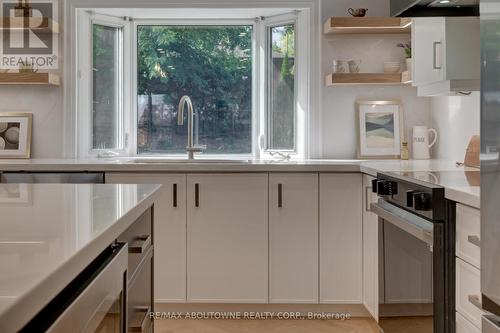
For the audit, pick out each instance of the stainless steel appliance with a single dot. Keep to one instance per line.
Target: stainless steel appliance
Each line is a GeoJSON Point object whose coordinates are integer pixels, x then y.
{"type": "Point", "coordinates": [53, 177]}
{"type": "Point", "coordinates": [415, 254]}
{"type": "Point", "coordinates": [95, 301]}
{"type": "Point", "coordinates": [414, 8]}
{"type": "Point", "coordinates": [490, 163]}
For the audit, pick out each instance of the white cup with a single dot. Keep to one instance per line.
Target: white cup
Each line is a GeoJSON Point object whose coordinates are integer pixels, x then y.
{"type": "Point", "coordinates": [354, 66]}
{"type": "Point", "coordinates": [339, 66]}
{"type": "Point", "coordinates": [421, 146]}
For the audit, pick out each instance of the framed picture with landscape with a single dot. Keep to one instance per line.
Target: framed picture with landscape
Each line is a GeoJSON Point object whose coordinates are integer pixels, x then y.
{"type": "Point", "coordinates": [380, 129]}
{"type": "Point", "coordinates": [15, 134]}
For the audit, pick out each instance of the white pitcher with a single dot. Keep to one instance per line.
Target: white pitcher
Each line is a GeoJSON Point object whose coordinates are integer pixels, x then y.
{"type": "Point", "coordinates": [421, 146]}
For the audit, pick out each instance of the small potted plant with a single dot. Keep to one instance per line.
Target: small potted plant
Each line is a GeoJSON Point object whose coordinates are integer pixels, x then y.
{"type": "Point", "coordinates": [407, 49]}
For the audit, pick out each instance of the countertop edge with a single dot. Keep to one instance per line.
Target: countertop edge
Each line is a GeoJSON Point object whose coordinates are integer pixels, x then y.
{"type": "Point", "coordinates": [28, 305]}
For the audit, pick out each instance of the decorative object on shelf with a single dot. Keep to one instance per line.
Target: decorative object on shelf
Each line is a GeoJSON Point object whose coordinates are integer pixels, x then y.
{"type": "Point", "coordinates": [421, 145]}
{"type": "Point", "coordinates": [15, 133]}
{"type": "Point", "coordinates": [380, 129]}
{"type": "Point", "coordinates": [472, 153]}
{"type": "Point", "coordinates": [405, 153]}
{"type": "Point", "coordinates": [392, 67]}
{"type": "Point", "coordinates": [339, 66]}
{"type": "Point", "coordinates": [354, 66]}
{"type": "Point", "coordinates": [357, 12]}
{"type": "Point", "coordinates": [407, 49]}
{"type": "Point", "coordinates": [27, 68]}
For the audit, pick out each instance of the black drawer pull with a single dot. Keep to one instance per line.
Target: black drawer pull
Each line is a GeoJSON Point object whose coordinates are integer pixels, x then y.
{"type": "Point", "coordinates": [197, 195]}
{"type": "Point", "coordinates": [175, 195]}
{"type": "Point", "coordinates": [280, 195]}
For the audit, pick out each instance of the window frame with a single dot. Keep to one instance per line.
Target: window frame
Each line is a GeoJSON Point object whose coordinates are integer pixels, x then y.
{"type": "Point", "coordinates": [304, 71]}
{"type": "Point", "coordinates": [194, 22]}
{"type": "Point", "coordinates": [277, 22]}
{"type": "Point", "coordinates": [84, 107]}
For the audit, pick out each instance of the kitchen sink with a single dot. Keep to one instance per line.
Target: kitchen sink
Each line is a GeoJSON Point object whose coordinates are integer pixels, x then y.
{"type": "Point", "coordinates": [186, 161]}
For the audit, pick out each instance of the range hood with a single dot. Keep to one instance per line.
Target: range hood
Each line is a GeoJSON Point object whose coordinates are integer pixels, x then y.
{"type": "Point", "coordinates": [426, 8]}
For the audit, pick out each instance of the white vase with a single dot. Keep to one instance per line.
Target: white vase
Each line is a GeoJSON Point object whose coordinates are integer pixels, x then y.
{"type": "Point", "coordinates": [408, 67]}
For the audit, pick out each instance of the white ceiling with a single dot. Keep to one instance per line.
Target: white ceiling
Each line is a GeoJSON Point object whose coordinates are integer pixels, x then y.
{"type": "Point", "coordinates": [192, 13]}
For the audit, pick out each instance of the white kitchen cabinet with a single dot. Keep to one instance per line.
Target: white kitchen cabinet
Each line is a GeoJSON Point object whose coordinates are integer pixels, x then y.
{"type": "Point", "coordinates": [169, 232]}
{"type": "Point", "coordinates": [370, 250]}
{"type": "Point", "coordinates": [227, 242]}
{"type": "Point", "coordinates": [446, 55]}
{"type": "Point", "coordinates": [293, 238]}
{"type": "Point", "coordinates": [341, 254]}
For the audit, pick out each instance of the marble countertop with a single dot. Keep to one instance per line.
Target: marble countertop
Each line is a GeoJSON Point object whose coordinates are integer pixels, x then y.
{"type": "Point", "coordinates": [457, 188]}
{"type": "Point", "coordinates": [50, 232]}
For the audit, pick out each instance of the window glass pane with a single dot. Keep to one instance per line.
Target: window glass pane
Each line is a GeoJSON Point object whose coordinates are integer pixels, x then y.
{"type": "Point", "coordinates": [105, 88]}
{"type": "Point", "coordinates": [212, 65]}
{"type": "Point", "coordinates": [281, 103]}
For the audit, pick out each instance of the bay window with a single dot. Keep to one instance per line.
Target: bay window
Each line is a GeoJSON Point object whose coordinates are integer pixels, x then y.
{"type": "Point", "coordinates": [242, 76]}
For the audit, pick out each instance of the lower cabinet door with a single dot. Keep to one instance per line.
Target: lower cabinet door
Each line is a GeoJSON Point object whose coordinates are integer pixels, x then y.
{"type": "Point", "coordinates": [340, 230]}
{"type": "Point", "coordinates": [227, 243]}
{"type": "Point", "coordinates": [169, 232]}
{"type": "Point", "coordinates": [293, 238]}
{"type": "Point", "coordinates": [371, 290]}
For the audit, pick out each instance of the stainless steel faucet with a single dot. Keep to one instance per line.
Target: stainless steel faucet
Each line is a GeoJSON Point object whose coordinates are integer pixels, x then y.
{"type": "Point", "coordinates": [191, 148]}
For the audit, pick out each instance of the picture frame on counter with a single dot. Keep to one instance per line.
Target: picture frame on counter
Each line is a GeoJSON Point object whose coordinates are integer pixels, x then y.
{"type": "Point", "coordinates": [380, 128]}
{"type": "Point", "coordinates": [15, 134]}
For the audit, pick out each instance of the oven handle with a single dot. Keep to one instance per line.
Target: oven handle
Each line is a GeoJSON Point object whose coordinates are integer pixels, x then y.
{"type": "Point", "coordinates": [424, 235]}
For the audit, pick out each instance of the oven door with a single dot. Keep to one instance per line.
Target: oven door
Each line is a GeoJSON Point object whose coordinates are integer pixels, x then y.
{"type": "Point", "coordinates": [407, 252]}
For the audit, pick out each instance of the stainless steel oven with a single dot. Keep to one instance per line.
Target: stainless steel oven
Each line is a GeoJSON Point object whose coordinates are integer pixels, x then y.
{"type": "Point", "coordinates": [412, 256]}
{"type": "Point", "coordinates": [95, 301]}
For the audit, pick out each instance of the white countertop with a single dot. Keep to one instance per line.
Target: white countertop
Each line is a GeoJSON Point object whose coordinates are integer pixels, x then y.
{"type": "Point", "coordinates": [457, 188]}
{"type": "Point", "coordinates": [462, 184]}
{"type": "Point", "coordinates": [50, 232]}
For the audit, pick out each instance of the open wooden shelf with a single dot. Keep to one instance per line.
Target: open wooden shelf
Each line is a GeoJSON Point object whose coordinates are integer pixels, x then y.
{"type": "Point", "coordinates": [30, 78]}
{"type": "Point", "coordinates": [367, 25]}
{"type": "Point", "coordinates": [48, 26]}
{"type": "Point", "coordinates": [337, 79]}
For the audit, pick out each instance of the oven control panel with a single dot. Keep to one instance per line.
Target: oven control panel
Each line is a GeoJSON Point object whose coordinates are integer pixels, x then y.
{"type": "Point", "coordinates": [421, 198]}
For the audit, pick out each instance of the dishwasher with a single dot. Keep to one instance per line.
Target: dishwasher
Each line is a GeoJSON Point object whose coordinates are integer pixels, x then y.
{"type": "Point", "coordinates": [53, 177]}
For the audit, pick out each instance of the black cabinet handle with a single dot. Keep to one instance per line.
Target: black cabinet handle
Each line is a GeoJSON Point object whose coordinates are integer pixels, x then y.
{"type": "Point", "coordinates": [197, 195]}
{"type": "Point", "coordinates": [280, 195]}
{"type": "Point", "coordinates": [175, 195]}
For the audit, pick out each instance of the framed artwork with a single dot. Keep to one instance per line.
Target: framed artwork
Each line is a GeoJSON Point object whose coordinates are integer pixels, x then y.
{"type": "Point", "coordinates": [15, 134]}
{"type": "Point", "coordinates": [380, 129]}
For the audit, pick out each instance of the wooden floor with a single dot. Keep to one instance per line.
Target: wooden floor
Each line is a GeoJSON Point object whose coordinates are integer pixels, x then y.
{"type": "Point", "coordinates": [357, 325]}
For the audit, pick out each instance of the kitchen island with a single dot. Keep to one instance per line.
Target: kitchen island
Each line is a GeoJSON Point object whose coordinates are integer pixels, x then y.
{"type": "Point", "coordinates": [50, 233]}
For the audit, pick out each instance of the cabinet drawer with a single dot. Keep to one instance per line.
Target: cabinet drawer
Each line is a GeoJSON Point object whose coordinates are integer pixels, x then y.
{"type": "Point", "coordinates": [140, 294]}
{"type": "Point", "coordinates": [468, 234]}
{"type": "Point", "coordinates": [465, 326]}
{"type": "Point", "coordinates": [468, 292]}
{"type": "Point", "coordinates": [139, 239]}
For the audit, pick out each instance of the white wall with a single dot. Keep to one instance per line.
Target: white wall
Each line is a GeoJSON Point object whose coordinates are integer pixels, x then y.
{"type": "Point", "coordinates": [456, 119]}
{"type": "Point", "coordinates": [46, 104]}
{"type": "Point", "coordinates": [334, 124]}
{"type": "Point", "coordinates": [339, 131]}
